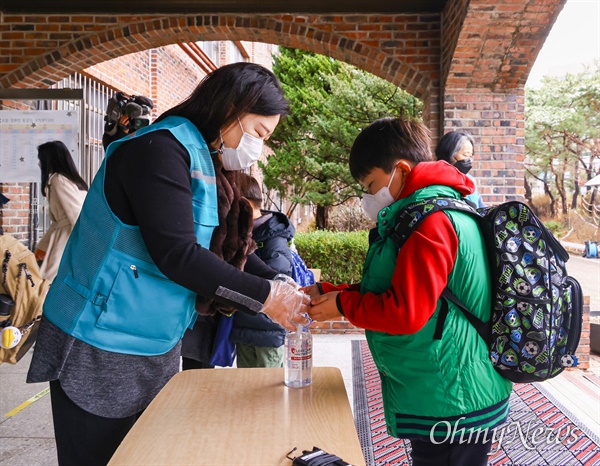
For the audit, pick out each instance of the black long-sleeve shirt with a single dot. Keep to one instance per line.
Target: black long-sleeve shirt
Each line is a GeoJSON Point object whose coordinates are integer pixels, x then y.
{"type": "Point", "coordinates": [148, 184]}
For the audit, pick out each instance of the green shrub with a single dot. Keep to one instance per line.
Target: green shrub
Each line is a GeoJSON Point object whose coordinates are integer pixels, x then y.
{"type": "Point", "coordinates": [557, 228]}
{"type": "Point", "coordinates": [340, 256]}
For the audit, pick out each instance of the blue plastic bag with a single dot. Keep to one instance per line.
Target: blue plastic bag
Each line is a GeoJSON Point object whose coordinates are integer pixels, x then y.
{"type": "Point", "coordinates": [300, 273]}
{"type": "Point", "coordinates": [223, 349]}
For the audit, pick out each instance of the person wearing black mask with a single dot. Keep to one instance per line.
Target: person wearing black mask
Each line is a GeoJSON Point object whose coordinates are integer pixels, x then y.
{"type": "Point", "coordinates": [456, 148]}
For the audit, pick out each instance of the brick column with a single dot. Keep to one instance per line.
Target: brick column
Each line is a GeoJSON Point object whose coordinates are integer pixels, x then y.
{"type": "Point", "coordinates": [496, 120]}
{"type": "Point", "coordinates": [583, 350]}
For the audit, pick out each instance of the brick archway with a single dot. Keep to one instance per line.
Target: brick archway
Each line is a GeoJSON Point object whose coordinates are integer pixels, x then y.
{"type": "Point", "coordinates": [414, 70]}
{"type": "Point", "coordinates": [468, 61]}
{"type": "Point", "coordinates": [82, 52]}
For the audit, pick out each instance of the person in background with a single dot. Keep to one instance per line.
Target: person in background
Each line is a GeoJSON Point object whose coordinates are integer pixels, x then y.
{"type": "Point", "coordinates": [457, 148]}
{"type": "Point", "coordinates": [143, 252]}
{"type": "Point", "coordinates": [65, 190]}
{"type": "Point", "coordinates": [125, 114]}
{"type": "Point", "coordinates": [258, 340]}
{"type": "Point", "coordinates": [436, 385]}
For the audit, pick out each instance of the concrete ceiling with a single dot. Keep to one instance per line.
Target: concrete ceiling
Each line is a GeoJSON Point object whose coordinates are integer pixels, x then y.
{"type": "Point", "coordinates": [220, 6]}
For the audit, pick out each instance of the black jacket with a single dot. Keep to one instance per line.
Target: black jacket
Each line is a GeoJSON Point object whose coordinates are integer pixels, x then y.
{"type": "Point", "coordinates": [272, 232]}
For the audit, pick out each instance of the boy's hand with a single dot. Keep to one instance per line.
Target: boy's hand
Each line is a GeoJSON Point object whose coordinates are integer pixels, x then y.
{"type": "Point", "coordinates": [311, 290]}
{"type": "Point", "coordinates": [324, 307]}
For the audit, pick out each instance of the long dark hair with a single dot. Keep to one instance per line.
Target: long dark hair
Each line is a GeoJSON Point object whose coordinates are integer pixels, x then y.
{"type": "Point", "coordinates": [450, 144]}
{"type": "Point", "coordinates": [54, 157]}
{"type": "Point", "coordinates": [229, 92]}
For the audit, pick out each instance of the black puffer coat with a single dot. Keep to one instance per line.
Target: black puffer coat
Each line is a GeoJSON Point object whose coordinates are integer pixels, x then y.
{"type": "Point", "coordinates": [271, 232]}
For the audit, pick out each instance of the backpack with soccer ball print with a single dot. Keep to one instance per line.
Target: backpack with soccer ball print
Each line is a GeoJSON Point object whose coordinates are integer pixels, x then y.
{"type": "Point", "coordinates": [537, 309]}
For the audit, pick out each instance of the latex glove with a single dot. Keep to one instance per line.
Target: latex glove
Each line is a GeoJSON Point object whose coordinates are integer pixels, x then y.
{"type": "Point", "coordinates": [286, 305]}
{"type": "Point", "coordinates": [286, 278]}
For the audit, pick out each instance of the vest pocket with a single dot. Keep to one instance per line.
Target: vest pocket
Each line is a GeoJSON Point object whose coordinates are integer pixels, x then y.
{"type": "Point", "coordinates": [145, 304]}
{"type": "Point", "coordinates": [206, 218]}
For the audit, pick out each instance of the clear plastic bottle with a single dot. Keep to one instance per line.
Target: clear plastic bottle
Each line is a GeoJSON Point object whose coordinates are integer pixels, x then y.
{"type": "Point", "coordinates": [298, 358]}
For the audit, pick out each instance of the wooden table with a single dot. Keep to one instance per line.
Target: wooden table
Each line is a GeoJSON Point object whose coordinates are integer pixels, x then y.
{"type": "Point", "coordinates": [242, 417]}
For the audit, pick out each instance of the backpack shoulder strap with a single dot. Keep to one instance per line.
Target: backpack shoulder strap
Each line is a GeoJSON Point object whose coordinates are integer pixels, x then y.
{"type": "Point", "coordinates": [412, 215]}
{"type": "Point", "coordinates": [407, 221]}
{"type": "Point", "coordinates": [483, 328]}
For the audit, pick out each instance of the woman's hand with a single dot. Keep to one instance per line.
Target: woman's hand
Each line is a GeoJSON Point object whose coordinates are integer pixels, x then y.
{"type": "Point", "coordinates": [287, 305]}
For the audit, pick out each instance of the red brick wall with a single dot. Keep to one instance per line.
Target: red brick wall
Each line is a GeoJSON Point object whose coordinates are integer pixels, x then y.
{"type": "Point", "coordinates": [403, 48]}
{"type": "Point", "coordinates": [335, 326]}
{"type": "Point", "coordinates": [14, 217]}
{"type": "Point", "coordinates": [177, 76]}
{"type": "Point", "coordinates": [583, 350]}
{"type": "Point", "coordinates": [488, 48]}
{"type": "Point", "coordinates": [129, 73]}
{"type": "Point", "coordinates": [496, 120]}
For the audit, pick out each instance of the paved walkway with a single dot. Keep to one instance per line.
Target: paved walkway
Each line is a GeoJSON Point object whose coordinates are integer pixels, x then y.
{"type": "Point", "coordinates": [587, 272]}
{"type": "Point", "coordinates": [27, 435]}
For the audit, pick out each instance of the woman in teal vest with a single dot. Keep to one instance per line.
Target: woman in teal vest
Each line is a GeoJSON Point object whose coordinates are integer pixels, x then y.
{"type": "Point", "coordinates": [442, 393]}
{"type": "Point", "coordinates": [147, 250]}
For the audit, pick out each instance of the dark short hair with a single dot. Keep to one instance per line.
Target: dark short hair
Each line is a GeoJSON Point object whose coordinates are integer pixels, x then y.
{"type": "Point", "coordinates": [250, 189]}
{"type": "Point", "coordinates": [450, 144]}
{"type": "Point", "coordinates": [387, 140]}
{"type": "Point", "coordinates": [229, 92]}
{"type": "Point", "coordinates": [54, 157]}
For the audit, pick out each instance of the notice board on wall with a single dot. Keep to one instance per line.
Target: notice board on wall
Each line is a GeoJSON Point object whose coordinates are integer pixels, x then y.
{"type": "Point", "coordinates": [21, 132]}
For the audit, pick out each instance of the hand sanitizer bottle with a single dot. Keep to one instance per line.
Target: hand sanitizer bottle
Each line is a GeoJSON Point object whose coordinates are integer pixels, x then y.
{"type": "Point", "coordinates": [298, 358]}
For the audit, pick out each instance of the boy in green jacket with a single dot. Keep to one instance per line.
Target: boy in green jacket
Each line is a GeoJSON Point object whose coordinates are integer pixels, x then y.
{"type": "Point", "coordinates": [442, 394]}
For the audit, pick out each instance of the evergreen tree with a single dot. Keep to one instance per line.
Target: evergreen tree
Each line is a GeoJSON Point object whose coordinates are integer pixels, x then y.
{"type": "Point", "coordinates": [562, 134]}
{"type": "Point", "coordinates": [330, 102]}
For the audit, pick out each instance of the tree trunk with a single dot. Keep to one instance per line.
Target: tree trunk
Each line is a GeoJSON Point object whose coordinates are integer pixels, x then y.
{"type": "Point", "coordinates": [552, 201]}
{"type": "Point", "coordinates": [529, 197]}
{"type": "Point", "coordinates": [576, 179]}
{"type": "Point", "coordinates": [291, 209]}
{"type": "Point", "coordinates": [559, 182]}
{"type": "Point", "coordinates": [322, 217]}
{"type": "Point", "coordinates": [562, 190]}
{"type": "Point", "coordinates": [576, 191]}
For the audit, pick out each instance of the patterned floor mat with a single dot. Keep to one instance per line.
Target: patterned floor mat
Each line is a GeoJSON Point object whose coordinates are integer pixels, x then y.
{"type": "Point", "coordinates": [539, 431]}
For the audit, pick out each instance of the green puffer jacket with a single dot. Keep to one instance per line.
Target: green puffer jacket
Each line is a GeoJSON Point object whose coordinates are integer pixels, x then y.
{"type": "Point", "coordinates": [425, 381]}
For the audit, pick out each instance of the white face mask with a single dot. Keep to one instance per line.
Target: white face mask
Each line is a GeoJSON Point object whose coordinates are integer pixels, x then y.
{"type": "Point", "coordinates": [244, 155]}
{"type": "Point", "coordinates": [373, 203]}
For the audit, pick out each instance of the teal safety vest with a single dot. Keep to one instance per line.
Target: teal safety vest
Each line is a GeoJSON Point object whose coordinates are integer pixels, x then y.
{"type": "Point", "coordinates": [108, 292]}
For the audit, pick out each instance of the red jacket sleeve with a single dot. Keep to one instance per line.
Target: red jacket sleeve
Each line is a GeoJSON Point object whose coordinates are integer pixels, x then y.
{"type": "Point", "coordinates": [327, 287]}
{"type": "Point", "coordinates": [421, 274]}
